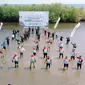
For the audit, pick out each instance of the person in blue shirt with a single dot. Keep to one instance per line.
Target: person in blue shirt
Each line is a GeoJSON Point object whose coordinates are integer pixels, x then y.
{"type": "Point", "coordinates": [4, 45]}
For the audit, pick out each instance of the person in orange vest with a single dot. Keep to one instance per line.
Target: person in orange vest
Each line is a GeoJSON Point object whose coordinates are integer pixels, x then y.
{"type": "Point", "coordinates": [66, 63]}
{"type": "Point", "coordinates": [32, 61]}
{"type": "Point", "coordinates": [79, 62]}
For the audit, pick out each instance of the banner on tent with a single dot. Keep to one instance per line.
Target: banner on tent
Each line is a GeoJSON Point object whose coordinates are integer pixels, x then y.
{"type": "Point", "coordinates": [34, 18]}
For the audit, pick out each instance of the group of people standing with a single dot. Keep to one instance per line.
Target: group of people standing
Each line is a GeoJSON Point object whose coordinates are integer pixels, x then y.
{"type": "Point", "coordinates": [51, 36]}
{"type": "Point", "coordinates": [49, 39]}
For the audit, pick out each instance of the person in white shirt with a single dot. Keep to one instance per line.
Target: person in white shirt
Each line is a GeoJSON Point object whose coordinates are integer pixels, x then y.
{"type": "Point", "coordinates": [32, 61]}
{"type": "Point", "coordinates": [61, 51]}
{"type": "Point", "coordinates": [48, 46]}
{"type": "Point", "coordinates": [48, 62]}
{"type": "Point", "coordinates": [34, 51]}
{"type": "Point", "coordinates": [45, 51]}
{"type": "Point", "coordinates": [13, 36]}
{"type": "Point", "coordinates": [66, 62]}
{"type": "Point", "coordinates": [60, 45]}
{"type": "Point", "coordinates": [73, 55]}
{"type": "Point", "coordinates": [22, 49]}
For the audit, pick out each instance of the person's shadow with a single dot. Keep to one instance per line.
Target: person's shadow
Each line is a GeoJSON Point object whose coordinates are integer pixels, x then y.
{"type": "Point", "coordinates": [10, 68]}
{"type": "Point", "coordinates": [46, 70]}
{"type": "Point", "coordinates": [27, 68]}
{"type": "Point", "coordinates": [61, 69]}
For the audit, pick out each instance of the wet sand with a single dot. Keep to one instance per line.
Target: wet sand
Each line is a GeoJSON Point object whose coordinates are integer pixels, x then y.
{"type": "Point", "coordinates": [39, 75]}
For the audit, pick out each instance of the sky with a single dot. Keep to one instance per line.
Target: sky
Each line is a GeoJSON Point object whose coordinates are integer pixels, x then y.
{"type": "Point", "coordinates": [42, 1]}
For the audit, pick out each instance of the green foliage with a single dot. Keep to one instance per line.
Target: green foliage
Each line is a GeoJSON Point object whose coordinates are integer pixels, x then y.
{"type": "Point", "coordinates": [67, 14]}
{"type": "Point", "coordinates": [82, 14]}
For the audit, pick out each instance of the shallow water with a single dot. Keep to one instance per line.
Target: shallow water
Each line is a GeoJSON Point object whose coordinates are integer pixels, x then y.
{"type": "Point", "coordinates": [39, 76]}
